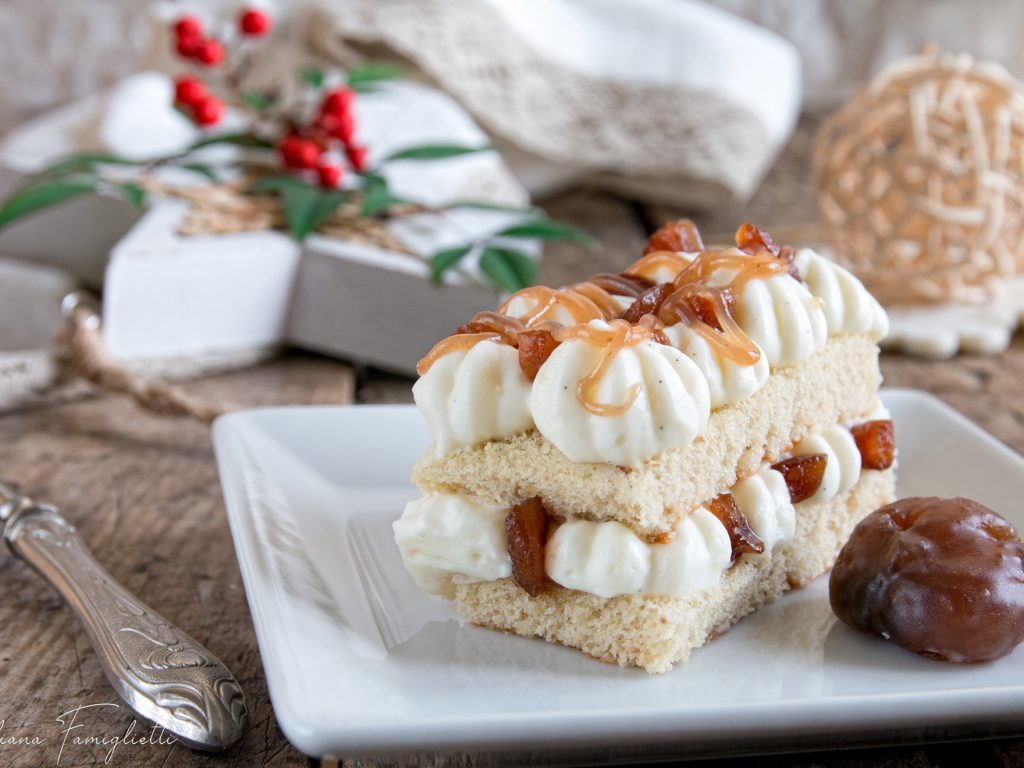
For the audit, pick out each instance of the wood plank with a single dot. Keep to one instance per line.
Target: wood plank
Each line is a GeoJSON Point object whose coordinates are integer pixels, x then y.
{"type": "Point", "coordinates": [144, 494]}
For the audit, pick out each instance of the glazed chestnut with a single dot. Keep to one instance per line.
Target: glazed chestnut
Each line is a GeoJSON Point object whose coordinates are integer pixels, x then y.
{"type": "Point", "coordinates": [940, 577]}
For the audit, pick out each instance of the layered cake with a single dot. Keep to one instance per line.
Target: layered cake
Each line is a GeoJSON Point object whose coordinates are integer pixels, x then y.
{"type": "Point", "coordinates": [631, 464]}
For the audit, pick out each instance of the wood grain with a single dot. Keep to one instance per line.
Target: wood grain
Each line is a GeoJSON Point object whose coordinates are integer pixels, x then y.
{"type": "Point", "coordinates": [144, 494]}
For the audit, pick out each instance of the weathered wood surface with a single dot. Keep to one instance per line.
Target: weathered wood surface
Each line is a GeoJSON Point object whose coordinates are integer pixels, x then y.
{"type": "Point", "coordinates": [144, 494]}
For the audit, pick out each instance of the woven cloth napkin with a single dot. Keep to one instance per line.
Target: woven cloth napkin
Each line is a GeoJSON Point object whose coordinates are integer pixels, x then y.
{"type": "Point", "coordinates": [669, 101]}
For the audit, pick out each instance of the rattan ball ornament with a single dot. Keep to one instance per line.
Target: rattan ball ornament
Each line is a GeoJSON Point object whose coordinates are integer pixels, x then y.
{"type": "Point", "coordinates": [921, 180]}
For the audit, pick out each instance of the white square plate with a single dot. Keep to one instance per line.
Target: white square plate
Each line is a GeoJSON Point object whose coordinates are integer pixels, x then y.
{"type": "Point", "coordinates": [360, 662]}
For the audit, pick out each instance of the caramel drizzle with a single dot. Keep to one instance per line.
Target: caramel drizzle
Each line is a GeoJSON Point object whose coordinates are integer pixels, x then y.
{"type": "Point", "coordinates": [652, 262]}
{"type": "Point", "coordinates": [594, 300]}
{"type": "Point", "coordinates": [731, 340]}
{"type": "Point", "coordinates": [612, 340]}
{"type": "Point", "coordinates": [584, 302]}
{"type": "Point", "coordinates": [455, 343]}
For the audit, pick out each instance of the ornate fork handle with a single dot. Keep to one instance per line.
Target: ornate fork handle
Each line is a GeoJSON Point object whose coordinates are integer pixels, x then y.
{"type": "Point", "coordinates": [160, 672]}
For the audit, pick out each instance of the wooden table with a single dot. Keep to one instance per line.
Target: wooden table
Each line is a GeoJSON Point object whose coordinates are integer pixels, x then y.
{"type": "Point", "coordinates": [144, 494]}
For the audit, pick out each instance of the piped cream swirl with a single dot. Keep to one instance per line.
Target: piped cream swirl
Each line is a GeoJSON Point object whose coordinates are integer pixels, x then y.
{"type": "Point", "coordinates": [848, 306]}
{"type": "Point", "coordinates": [473, 395]}
{"type": "Point", "coordinates": [783, 318]}
{"type": "Point", "coordinates": [842, 470]}
{"type": "Point", "coordinates": [669, 403]}
{"type": "Point", "coordinates": [728, 381]}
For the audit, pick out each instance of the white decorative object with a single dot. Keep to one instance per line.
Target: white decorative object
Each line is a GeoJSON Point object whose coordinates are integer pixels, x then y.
{"type": "Point", "coordinates": [942, 330]}
{"type": "Point", "coordinates": [665, 100]}
{"type": "Point", "coordinates": [233, 296]}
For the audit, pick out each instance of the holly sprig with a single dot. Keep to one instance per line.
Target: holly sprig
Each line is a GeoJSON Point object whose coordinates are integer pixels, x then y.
{"type": "Point", "coordinates": [508, 267]}
{"type": "Point", "coordinates": [306, 154]}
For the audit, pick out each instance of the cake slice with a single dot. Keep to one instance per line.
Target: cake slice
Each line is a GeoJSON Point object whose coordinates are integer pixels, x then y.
{"type": "Point", "coordinates": [631, 464]}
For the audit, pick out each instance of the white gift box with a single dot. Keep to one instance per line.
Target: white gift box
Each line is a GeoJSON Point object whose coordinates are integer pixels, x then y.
{"type": "Point", "coordinates": [167, 295]}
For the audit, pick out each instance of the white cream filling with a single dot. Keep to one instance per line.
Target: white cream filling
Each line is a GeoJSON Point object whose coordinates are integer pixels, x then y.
{"type": "Point", "coordinates": [608, 559]}
{"type": "Point", "coordinates": [783, 318]}
{"type": "Point", "coordinates": [847, 304]}
{"type": "Point", "coordinates": [468, 398]}
{"type": "Point", "coordinates": [457, 536]}
{"type": "Point", "coordinates": [473, 395]}
{"type": "Point", "coordinates": [842, 470]}
{"type": "Point", "coordinates": [447, 534]}
{"type": "Point", "coordinates": [728, 382]}
{"type": "Point", "coordinates": [671, 408]}
{"type": "Point", "coordinates": [763, 498]}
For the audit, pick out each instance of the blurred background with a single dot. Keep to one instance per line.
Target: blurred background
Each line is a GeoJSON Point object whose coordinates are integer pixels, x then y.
{"type": "Point", "coordinates": [611, 119]}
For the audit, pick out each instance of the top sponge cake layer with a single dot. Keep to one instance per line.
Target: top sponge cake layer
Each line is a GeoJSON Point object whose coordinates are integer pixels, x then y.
{"type": "Point", "coordinates": [836, 385]}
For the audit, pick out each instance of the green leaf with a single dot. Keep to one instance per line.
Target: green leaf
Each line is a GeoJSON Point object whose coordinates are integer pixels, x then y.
{"type": "Point", "coordinates": [202, 169]}
{"type": "Point", "coordinates": [510, 269]}
{"type": "Point", "coordinates": [43, 194]}
{"type": "Point", "coordinates": [238, 139]}
{"type": "Point", "coordinates": [255, 100]}
{"type": "Point", "coordinates": [306, 208]}
{"type": "Point", "coordinates": [313, 76]}
{"type": "Point", "coordinates": [84, 162]}
{"type": "Point", "coordinates": [435, 152]}
{"type": "Point", "coordinates": [278, 183]}
{"type": "Point", "coordinates": [444, 260]}
{"type": "Point", "coordinates": [102, 157]}
{"type": "Point", "coordinates": [133, 194]}
{"type": "Point", "coordinates": [364, 77]}
{"type": "Point", "coordinates": [377, 198]}
{"type": "Point", "coordinates": [546, 229]}
{"type": "Point", "coordinates": [485, 206]}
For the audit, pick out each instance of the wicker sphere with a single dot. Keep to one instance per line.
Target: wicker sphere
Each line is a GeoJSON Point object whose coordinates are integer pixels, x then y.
{"type": "Point", "coordinates": [921, 180]}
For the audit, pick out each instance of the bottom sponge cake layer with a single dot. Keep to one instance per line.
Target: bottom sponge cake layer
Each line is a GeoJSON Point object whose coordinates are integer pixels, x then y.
{"type": "Point", "coordinates": [656, 632]}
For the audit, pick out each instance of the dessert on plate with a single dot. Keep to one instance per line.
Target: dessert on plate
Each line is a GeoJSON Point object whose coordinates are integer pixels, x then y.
{"type": "Point", "coordinates": [631, 464]}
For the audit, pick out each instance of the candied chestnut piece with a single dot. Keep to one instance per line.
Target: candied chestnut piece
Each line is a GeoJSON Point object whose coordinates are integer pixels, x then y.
{"type": "Point", "coordinates": [752, 239]}
{"type": "Point", "coordinates": [647, 303]}
{"type": "Point", "coordinates": [803, 474]}
{"type": "Point", "coordinates": [704, 307]}
{"type": "Point", "coordinates": [940, 577]}
{"type": "Point", "coordinates": [681, 235]}
{"type": "Point", "coordinates": [876, 442]}
{"type": "Point", "coordinates": [526, 528]}
{"type": "Point", "coordinates": [535, 347]}
{"type": "Point", "coordinates": [741, 535]}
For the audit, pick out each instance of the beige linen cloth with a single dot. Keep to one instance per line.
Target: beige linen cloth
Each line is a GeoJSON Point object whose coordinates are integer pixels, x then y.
{"type": "Point", "coordinates": [671, 101]}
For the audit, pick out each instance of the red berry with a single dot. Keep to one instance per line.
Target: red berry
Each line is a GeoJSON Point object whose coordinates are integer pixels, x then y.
{"type": "Point", "coordinates": [297, 152]}
{"type": "Point", "coordinates": [189, 91]}
{"type": "Point", "coordinates": [338, 126]}
{"type": "Point", "coordinates": [330, 174]}
{"type": "Point", "coordinates": [188, 26]}
{"type": "Point", "coordinates": [209, 53]}
{"type": "Point", "coordinates": [254, 22]}
{"type": "Point", "coordinates": [187, 46]}
{"type": "Point", "coordinates": [208, 111]}
{"type": "Point", "coordinates": [357, 156]}
{"type": "Point", "coordinates": [337, 102]}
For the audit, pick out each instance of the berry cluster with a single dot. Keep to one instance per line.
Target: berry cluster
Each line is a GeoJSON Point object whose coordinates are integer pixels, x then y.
{"type": "Point", "coordinates": [193, 44]}
{"type": "Point", "coordinates": [191, 95]}
{"type": "Point", "coordinates": [306, 144]}
{"type": "Point", "coordinates": [310, 146]}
